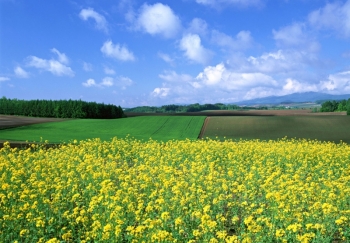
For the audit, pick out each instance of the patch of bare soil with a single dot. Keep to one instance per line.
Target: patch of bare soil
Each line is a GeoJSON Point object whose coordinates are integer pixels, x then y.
{"type": "Point", "coordinates": [204, 127]}
{"type": "Point", "coordinates": [305, 112]}
{"type": "Point", "coordinates": [18, 121]}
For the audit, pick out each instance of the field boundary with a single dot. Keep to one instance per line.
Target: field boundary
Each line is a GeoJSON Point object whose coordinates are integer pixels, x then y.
{"type": "Point", "coordinates": [205, 123]}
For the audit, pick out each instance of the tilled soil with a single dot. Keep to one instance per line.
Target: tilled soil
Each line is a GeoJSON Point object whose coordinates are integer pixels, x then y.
{"type": "Point", "coordinates": [305, 112]}
{"type": "Point", "coordinates": [18, 121]}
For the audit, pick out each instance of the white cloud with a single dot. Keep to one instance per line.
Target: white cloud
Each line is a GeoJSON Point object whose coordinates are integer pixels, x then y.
{"type": "Point", "coordinates": [121, 81]}
{"type": "Point", "coordinates": [198, 26]}
{"type": "Point", "coordinates": [242, 40]}
{"type": "Point", "coordinates": [160, 92]}
{"type": "Point", "coordinates": [87, 67]}
{"type": "Point", "coordinates": [334, 16]}
{"type": "Point", "coordinates": [20, 72]}
{"type": "Point", "coordinates": [172, 76]}
{"type": "Point", "coordinates": [191, 45]}
{"type": "Point", "coordinates": [107, 82]}
{"type": "Point", "coordinates": [294, 86]}
{"type": "Point", "coordinates": [116, 51]}
{"type": "Point", "coordinates": [337, 83]}
{"type": "Point", "coordinates": [158, 19]}
{"type": "Point", "coordinates": [220, 77]}
{"type": "Point", "coordinates": [62, 58]}
{"type": "Point", "coordinates": [258, 92]}
{"type": "Point", "coordinates": [109, 71]}
{"type": "Point", "coordinates": [89, 83]}
{"type": "Point", "coordinates": [3, 79]}
{"type": "Point", "coordinates": [239, 3]}
{"type": "Point", "coordinates": [166, 58]}
{"type": "Point", "coordinates": [296, 35]}
{"type": "Point", "coordinates": [100, 20]}
{"type": "Point", "coordinates": [56, 67]}
{"type": "Point", "coordinates": [281, 61]}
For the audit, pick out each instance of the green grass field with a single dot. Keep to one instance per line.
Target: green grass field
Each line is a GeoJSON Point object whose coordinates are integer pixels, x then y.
{"type": "Point", "coordinates": [323, 128]}
{"type": "Point", "coordinates": [156, 127]}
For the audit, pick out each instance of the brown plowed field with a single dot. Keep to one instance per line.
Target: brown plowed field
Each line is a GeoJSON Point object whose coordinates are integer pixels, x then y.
{"type": "Point", "coordinates": [305, 112]}
{"type": "Point", "coordinates": [324, 128]}
{"type": "Point", "coordinates": [18, 121]}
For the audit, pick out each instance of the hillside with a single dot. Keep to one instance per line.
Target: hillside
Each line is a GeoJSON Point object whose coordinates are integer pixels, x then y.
{"type": "Point", "coordinates": [293, 98]}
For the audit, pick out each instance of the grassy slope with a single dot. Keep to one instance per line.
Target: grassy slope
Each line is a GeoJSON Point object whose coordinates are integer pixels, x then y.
{"type": "Point", "coordinates": [324, 128]}
{"type": "Point", "coordinates": [157, 127]}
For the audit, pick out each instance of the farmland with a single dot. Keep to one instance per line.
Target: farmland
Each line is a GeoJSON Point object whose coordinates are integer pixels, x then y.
{"type": "Point", "coordinates": [126, 190]}
{"type": "Point", "coordinates": [323, 128]}
{"type": "Point", "coordinates": [158, 128]}
{"type": "Point", "coordinates": [108, 186]}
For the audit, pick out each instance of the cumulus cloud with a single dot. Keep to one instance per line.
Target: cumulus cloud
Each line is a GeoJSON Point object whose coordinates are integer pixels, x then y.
{"type": "Point", "coordinates": [20, 72]}
{"type": "Point", "coordinates": [296, 35]}
{"type": "Point", "coordinates": [239, 3]}
{"type": "Point", "coordinates": [121, 81]}
{"type": "Point", "coordinates": [56, 67]}
{"type": "Point", "coordinates": [294, 86]}
{"type": "Point", "coordinates": [160, 92]}
{"type": "Point", "coordinates": [117, 51]}
{"type": "Point", "coordinates": [280, 61]}
{"type": "Point", "coordinates": [3, 79]}
{"type": "Point", "coordinates": [220, 76]}
{"type": "Point", "coordinates": [241, 41]}
{"type": "Point", "coordinates": [107, 82]}
{"type": "Point", "coordinates": [158, 19]}
{"type": "Point", "coordinates": [100, 21]}
{"type": "Point", "coordinates": [337, 83]}
{"type": "Point", "coordinates": [333, 16]}
{"type": "Point", "coordinates": [194, 51]}
{"type": "Point", "coordinates": [89, 83]}
{"type": "Point", "coordinates": [198, 26]}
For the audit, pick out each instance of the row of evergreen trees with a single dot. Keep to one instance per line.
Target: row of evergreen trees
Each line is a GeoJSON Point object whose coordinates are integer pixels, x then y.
{"type": "Point", "coordinates": [334, 105]}
{"type": "Point", "coordinates": [59, 109]}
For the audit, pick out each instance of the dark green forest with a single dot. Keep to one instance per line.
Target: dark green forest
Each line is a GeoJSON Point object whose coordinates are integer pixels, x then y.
{"type": "Point", "coordinates": [334, 105]}
{"type": "Point", "coordinates": [59, 109]}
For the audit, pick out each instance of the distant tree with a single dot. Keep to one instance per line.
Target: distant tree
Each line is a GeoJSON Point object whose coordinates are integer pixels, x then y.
{"type": "Point", "coordinates": [329, 106]}
{"type": "Point", "coordinates": [342, 105]}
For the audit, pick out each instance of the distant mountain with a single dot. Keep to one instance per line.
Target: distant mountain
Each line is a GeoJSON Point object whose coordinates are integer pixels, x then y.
{"type": "Point", "coordinates": [293, 98]}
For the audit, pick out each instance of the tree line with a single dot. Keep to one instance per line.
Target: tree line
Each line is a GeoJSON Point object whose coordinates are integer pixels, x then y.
{"type": "Point", "coordinates": [334, 105]}
{"type": "Point", "coordinates": [59, 109]}
{"type": "Point", "coordinates": [191, 108]}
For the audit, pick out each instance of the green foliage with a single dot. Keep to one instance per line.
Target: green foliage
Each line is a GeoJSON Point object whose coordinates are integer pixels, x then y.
{"type": "Point", "coordinates": [331, 106]}
{"type": "Point", "coordinates": [191, 108]}
{"type": "Point", "coordinates": [59, 109]}
{"type": "Point", "coordinates": [144, 127]}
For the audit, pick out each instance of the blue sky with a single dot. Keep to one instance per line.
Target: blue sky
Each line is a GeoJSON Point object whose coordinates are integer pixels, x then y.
{"type": "Point", "coordinates": [133, 53]}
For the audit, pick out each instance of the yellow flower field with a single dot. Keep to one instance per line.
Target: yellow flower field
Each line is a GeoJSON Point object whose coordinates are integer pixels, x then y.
{"type": "Point", "coordinates": [128, 190]}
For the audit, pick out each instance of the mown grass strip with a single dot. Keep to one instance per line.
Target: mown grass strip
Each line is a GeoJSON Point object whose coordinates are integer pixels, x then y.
{"type": "Point", "coordinates": [156, 127]}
